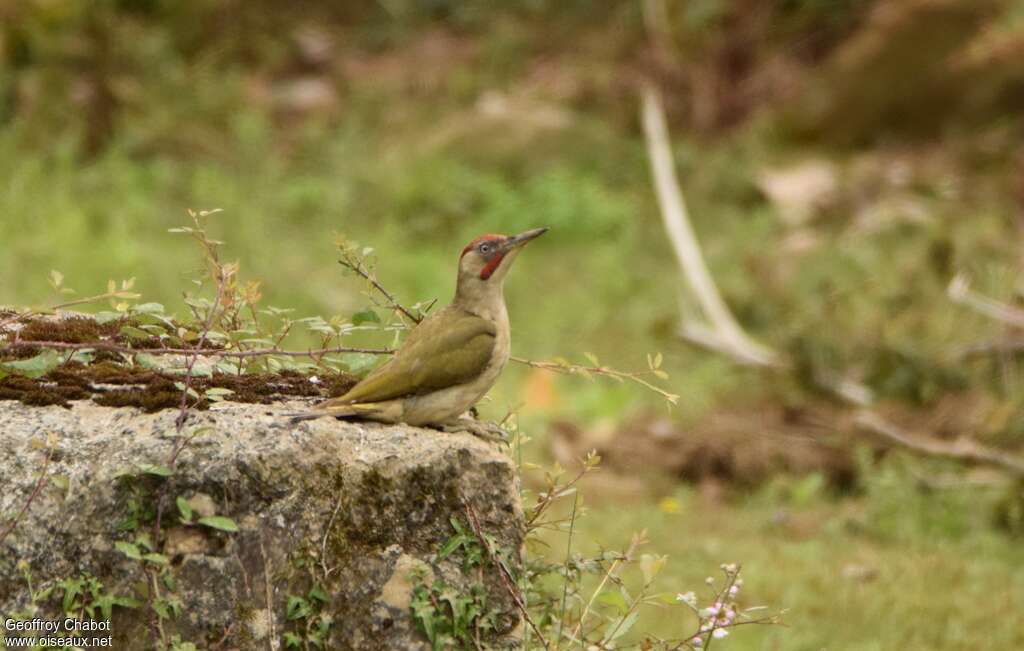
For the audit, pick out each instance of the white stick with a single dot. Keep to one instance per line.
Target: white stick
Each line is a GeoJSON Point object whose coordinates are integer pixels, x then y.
{"type": "Point", "coordinates": [724, 329]}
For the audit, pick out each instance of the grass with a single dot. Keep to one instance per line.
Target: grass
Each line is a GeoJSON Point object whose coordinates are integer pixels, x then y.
{"type": "Point", "coordinates": [851, 578]}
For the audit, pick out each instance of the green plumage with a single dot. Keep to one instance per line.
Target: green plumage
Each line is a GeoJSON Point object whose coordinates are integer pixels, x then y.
{"type": "Point", "coordinates": [448, 348]}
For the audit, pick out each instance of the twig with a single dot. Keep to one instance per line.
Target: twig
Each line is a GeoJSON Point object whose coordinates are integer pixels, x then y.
{"type": "Point", "coordinates": [392, 302]}
{"type": "Point", "coordinates": [551, 495]}
{"type": "Point", "coordinates": [610, 574]}
{"type": "Point", "coordinates": [568, 554]}
{"type": "Point", "coordinates": [218, 352]}
{"type": "Point", "coordinates": [962, 449]}
{"type": "Point", "coordinates": [857, 395]}
{"type": "Point", "coordinates": [573, 369]}
{"type": "Point", "coordinates": [960, 292]}
{"type": "Point", "coordinates": [323, 543]}
{"type": "Point", "coordinates": [59, 306]}
{"type": "Point", "coordinates": [684, 241]}
{"type": "Point", "coordinates": [506, 578]}
{"type": "Point", "coordinates": [32, 496]}
{"type": "Point", "coordinates": [997, 347]}
{"type": "Point", "coordinates": [221, 277]}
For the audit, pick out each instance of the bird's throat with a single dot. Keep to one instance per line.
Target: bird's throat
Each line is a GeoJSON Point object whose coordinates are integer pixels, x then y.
{"type": "Point", "coordinates": [491, 266]}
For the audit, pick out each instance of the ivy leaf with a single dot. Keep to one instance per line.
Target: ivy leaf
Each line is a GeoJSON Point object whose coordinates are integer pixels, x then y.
{"type": "Point", "coordinates": [297, 608]}
{"type": "Point", "coordinates": [128, 549]}
{"type": "Point", "coordinates": [184, 508]}
{"type": "Point", "coordinates": [219, 522]}
{"type": "Point", "coordinates": [317, 592]}
{"type": "Point", "coordinates": [155, 469]}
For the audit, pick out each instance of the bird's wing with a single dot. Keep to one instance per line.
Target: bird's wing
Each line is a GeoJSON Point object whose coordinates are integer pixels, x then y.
{"type": "Point", "coordinates": [446, 349]}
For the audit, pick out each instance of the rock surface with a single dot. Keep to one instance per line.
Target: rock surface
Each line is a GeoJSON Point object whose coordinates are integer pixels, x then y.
{"type": "Point", "coordinates": [359, 509]}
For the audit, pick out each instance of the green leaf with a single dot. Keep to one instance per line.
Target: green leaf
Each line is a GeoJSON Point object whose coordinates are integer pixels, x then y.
{"type": "Point", "coordinates": [134, 333]}
{"type": "Point", "coordinates": [292, 641]}
{"type": "Point", "coordinates": [359, 362]}
{"type": "Point", "coordinates": [614, 599]}
{"type": "Point", "coordinates": [155, 469]}
{"type": "Point", "coordinates": [297, 608]}
{"type": "Point", "coordinates": [107, 316]}
{"type": "Point", "coordinates": [128, 549]}
{"type": "Point", "coordinates": [148, 308]}
{"type": "Point", "coordinates": [650, 565]}
{"type": "Point", "coordinates": [317, 592]}
{"type": "Point", "coordinates": [219, 522]}
{"type": "Point", "coordinates": [156, 559]}
{"type": "Point", "coordinates": [366, 316]}
{"type": "Point", "coordinates": [61, 481]}
{"type": "Point", "coordinates": [145, 360]}
{"type": "Point", "coordinates": [33, 367]}
{"type": "Point", "coordinates": [620, 627]}
{"type": "Point", "coordinates": [184, 508]}
{"type": "Point", "coordinates": [126, 602]}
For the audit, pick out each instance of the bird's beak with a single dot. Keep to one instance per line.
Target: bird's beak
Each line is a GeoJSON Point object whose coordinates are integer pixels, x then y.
{"type": "Point", "coordinates": [517, 241]}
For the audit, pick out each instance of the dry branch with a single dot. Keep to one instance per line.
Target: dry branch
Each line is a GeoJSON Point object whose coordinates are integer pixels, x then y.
{"type": "Point", "coordinates": [962, 449]}
{"type": "Point", "coordinates": [960, 292]}
{"type": "Point", "coordinates": [724, 335]}
{"type": "Point", "coordinates": [32, 496]}
{"type": "Point", "coordinates": [723, 332]}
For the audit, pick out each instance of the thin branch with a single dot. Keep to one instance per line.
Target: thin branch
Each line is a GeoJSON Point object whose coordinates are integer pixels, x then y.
{"type": "Point", "coordinates": [32, 496]}
{"type": "Point", "coordinates": [962, 449]}
{"type": "Point", "coordinates": [675, 217]}
{"type": "Point", "coordinates": [18, 316]}
{"type": "Point", "coordinates": [636, 541]}
{"type": "Point", "coordinates": [568, 555]}
{"type": "Point", "coordinates": [575, 369]}
{"type": "Point", "coordinates": [506, 578]}
{"type": "Point", "coordinates": [218, 352]}
{"type": "Point", "coordinates": [393, 303]}
{"type": "Point", "coordinates": [960, 292]}
{"type": "Point", "coordinates": [997, 347]}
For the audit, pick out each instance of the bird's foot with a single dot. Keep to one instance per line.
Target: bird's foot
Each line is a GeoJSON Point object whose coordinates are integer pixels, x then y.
{"type": "Point", "coordinates": [481, 429]}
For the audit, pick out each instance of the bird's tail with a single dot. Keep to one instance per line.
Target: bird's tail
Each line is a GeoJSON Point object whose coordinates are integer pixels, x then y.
{"type": "Point", "coordinates": [354, 410]}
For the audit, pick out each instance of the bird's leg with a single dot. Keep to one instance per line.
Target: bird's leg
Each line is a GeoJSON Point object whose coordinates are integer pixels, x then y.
{"type": "Point", "coordinates": [482, 429]}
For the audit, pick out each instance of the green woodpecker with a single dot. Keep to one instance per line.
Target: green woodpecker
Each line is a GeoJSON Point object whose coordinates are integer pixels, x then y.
{"type": "Point", "coordinates": [452, 358]}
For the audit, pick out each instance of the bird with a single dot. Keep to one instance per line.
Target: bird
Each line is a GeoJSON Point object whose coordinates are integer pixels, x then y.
{"type": "Point", "coordinates": [451, 359]}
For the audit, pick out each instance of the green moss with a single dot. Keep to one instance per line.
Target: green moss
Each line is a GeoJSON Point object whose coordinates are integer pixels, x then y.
{"type": "Point", "coordinates": [72, 330]}
{"type": "Point", "coordinates": [152, 391]}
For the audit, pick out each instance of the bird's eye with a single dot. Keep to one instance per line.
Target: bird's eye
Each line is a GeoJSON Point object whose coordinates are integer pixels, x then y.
{"type": "Point", "coordinates": [485, 248]}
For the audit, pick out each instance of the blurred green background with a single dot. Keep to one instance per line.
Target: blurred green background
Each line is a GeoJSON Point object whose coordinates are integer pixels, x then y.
{"type": "Point", "coordinates": [842, 161]}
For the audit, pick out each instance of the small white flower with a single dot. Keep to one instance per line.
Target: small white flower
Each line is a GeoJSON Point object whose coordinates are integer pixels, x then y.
{"type": "Point", "coordinates": [697, 641]}
{"type": "Point", "coordinates": [688, 598]}
{"type": "Point", "coordinates": [314, 379]}
{"type": "Point", "coordinates": [734, 590]}
{"type": "Point", "coordinates": [719, 633]}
